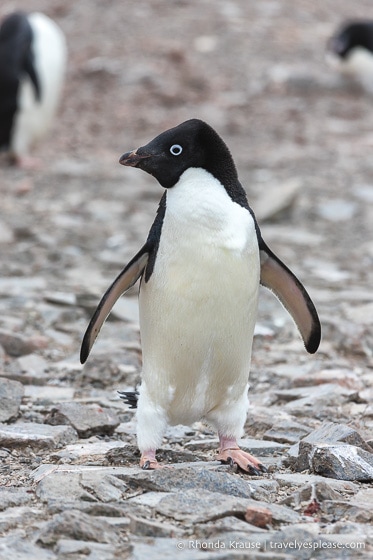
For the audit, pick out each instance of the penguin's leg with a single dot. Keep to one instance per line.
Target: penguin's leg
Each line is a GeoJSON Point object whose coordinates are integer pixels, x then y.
{"type": "Point", "coordinates": [151, 425]}
{"type": "Point", "coordinates": [229, 419]}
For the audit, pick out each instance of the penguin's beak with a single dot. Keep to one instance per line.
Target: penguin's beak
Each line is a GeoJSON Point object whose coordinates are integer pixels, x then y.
{"type": "Point", "coordinates": [132, 159]}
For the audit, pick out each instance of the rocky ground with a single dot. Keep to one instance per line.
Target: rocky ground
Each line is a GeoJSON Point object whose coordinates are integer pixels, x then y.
{"type": "Point", "coordinates": [302, 139]}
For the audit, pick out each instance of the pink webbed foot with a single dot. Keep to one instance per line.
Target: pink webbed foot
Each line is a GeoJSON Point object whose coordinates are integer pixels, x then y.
{"type": "Point", "coordinates": [149, 462]}
{"type": "Point", "coordinates": [230, 452]}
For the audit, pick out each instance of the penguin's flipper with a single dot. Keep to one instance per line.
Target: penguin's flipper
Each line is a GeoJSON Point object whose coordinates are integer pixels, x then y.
{"type": "Point", "coordinates": [29, 68]}
{"type": "Point", "coordinates": [127, 278]}
{"type": "Point", "coordinates": [285, 285]}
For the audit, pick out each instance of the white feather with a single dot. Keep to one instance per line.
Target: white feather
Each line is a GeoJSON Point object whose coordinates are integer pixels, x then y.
{"type": "Point", "coordinates": [34, 117]}
{"type": "Point", "coordinates": [198, 311]}
{"type": "Point", "coordinates": [358, 64]}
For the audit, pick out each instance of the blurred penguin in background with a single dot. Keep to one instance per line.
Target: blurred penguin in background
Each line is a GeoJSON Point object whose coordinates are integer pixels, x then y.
{"type": "Point", "coordinates": [32, 68]}
{"type": "Point", "coordinates": [350, 51]}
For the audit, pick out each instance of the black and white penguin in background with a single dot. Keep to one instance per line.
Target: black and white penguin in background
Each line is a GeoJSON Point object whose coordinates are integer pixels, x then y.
{"type": "Point", "coordinates": [200, 271]}
{"type": "Point", "coordinates": [350, 51]}
{"type": "Point", "coordinates": [32, 68]}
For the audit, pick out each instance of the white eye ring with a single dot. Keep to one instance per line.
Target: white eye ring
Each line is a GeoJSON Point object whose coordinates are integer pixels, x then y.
{"type": "Point", "coordinates": [176, 149]}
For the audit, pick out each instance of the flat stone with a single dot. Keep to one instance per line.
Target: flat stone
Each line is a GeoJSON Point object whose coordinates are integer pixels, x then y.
{"type": "Point", "coordinates": [196, 506]}
{"type": "Point", "coordinates": [275, 200]}
{"type": "Point", "coordinates": [150, 528]}
{"type": "Point", "coordinates": [342, 461]}
{"type": "Point", "coordinates": [86, 420]}
{"type": "Point", "coordinates": [19, 548]}
{"type": "Point", "coordinates": [14, 517]}
{"type": "Point", "coordinates": [256, 447]}
{"type": "Point", "coordinates": [344, 377]}
{"type": "Point", "coordinates": [174, 480]}
{"type": "Point", "coordinates": [36, 435]}
{"type": "Point", "coordinates": [11, 393]}
{"type": "Point", "coordinates": [17, 345]}
{"type": "Point", "coordinates": [331, 432]}
{"type": "Point", "coordinates": [49, 393]}
{"type": "Point", "coordinates": [88, 485]}
{"type": "Point", "coordinates": [287, 431]}
{"type": "Point", "coordinates": [343, 509]}
{"type": "Point", "coordinates": [77, 525]}
{"type": "Point", "coordinates": [223, 525]}
{"type": "Point", "coordinates": [14, 496]}
{"type": "Point", "coordinates": [88, 451]}
{"type": "Point", "coordinates": [296, 480]}
{"type": "Point", "coordinates": [71, 548]}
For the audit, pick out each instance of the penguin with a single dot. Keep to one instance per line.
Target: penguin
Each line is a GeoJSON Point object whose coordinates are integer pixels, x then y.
{"type": "Point", "coordinates": [32, 66]}
{"type": "Point", "coordinates": [350, 51]}
{"type": "Point", "coordinates": [200, 271]}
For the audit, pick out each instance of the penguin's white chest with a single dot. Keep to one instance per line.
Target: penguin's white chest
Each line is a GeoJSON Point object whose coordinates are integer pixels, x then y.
{"type": "Point", "coordinates": [198, 309]}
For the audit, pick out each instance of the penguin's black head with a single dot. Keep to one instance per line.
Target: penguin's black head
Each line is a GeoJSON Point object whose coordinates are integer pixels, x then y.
{"type": "Point", "coordinates": [191, 144]}
{"type": "Point", "coordinates": [352, 35]}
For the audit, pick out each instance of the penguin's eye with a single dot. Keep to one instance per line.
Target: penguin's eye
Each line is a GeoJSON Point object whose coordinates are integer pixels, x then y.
{"type": "Point", "coordinates": [176, 149]}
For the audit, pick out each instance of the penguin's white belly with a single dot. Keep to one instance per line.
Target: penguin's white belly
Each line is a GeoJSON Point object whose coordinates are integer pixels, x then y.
{"type": "Point", "coordinates": [198, 310]}
{"type": "Point", "coordinates": [35, 116]}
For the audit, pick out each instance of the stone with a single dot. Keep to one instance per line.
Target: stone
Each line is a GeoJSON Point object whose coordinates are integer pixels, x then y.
{"type": "Point", "coordinates": [86, 420]}
{"type": "Point", "coordinates": [297, 480]}
{"type": "Point", "coordinates": [16, 345]}
{"type": "Point", "coordinates": [11, 393]}
{"type": "Point", "coordinates": [287, 431]}
{"type": "Point", "coordinates": [331, 432]}
{"type": "Point", "coordinates": [342, 461]}
{"type": "Point", "coordinates": [17, 547]}
{"type": "Point", "coordinates": [38, 436]}
{"type": "Point", "coordinates": [70, 548]}
{"type": "Point", "coordinates": [175, 480]}
{"type": "Point", "coordinates": [87, 451]}
{"type": "Point", "coordinates": [79, 526]}
{"type": "Point", "coordinates": [258, 516]}
{"type": "Point", "coordinates": [276, 200]}
{"type": "Point", "coordinates": [196, 506]}
{"type": "Point", "coordinates": [49, 393]}
{"type": "Point", "coordinates": [82, 484]}
{"type": "Point", "coordinates": [151, 528]}
{"type": "Point", "coordinates": [257, 447]}
{"type": "Point", "coordinates": [13, 496]}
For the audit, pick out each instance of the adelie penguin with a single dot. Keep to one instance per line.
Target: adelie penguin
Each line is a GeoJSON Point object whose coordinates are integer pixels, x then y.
{"type": "Point", "coordinates": [32, 66]}
{"type": "Point", "coordinates": [350, 51]}
{"type": "Point", "coordinates": [200, 271]}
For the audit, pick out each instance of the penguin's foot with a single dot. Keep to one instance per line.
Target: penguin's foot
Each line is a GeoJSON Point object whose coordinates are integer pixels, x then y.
{"type": "Point", "coordinates": [28, 163]}
{"type": "Point", "coordinates": [230, 453]}
{"type": "Point", "coordinates": [148, 461]}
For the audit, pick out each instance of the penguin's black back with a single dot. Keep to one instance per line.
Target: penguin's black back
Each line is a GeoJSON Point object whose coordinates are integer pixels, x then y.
{"type": "Point", "coordinates": [16, 60]}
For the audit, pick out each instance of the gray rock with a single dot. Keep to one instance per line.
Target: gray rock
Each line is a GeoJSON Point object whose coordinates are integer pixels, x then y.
{"type": "Point", "coordinates": [20, 516]}
{"type": "Point", "coordinates": [196, 506]}
{"type": "Point", "coordinates": [287, 431]}
{"type": "Point", "coordinates": [174, 480]}
{"type": "Point", "coordinates": [19, 548]}
{"type": "Point", "coordinates": [11, 393]}
{"type": "Point", "coordinates": [13, 496]}
{"type": "Point", "coordinates": [342, 461]}
{"type": "Point", "coordinates": [71, 548]}
{"type": "Point", "coordinates": [91, 486]}
{"type": "Point", "coordinates": [38, 436]}
{"type": "Point", "coordinates": [330, 432]}
{"type": "Point", "coordinates": [256, 447]}
{"type": "Point", "coordinates": [79, 526]}
{"type": "Point", "coordinates": [150, 528]}
{"type": "Point", "coordinates": [86, 420]}
{"type": "Point", "coordinates": [296, 480]}
{"type": "Point", "coordinates": [18, 345]}
{"type": "Point", "coordinates": [333, 510]}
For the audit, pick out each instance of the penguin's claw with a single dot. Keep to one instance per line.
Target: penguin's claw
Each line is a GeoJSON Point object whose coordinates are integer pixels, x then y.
{"type": "Point", "coordinates": [149, 464]}
{"type": "Point", "coordinates": [244, 461]}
